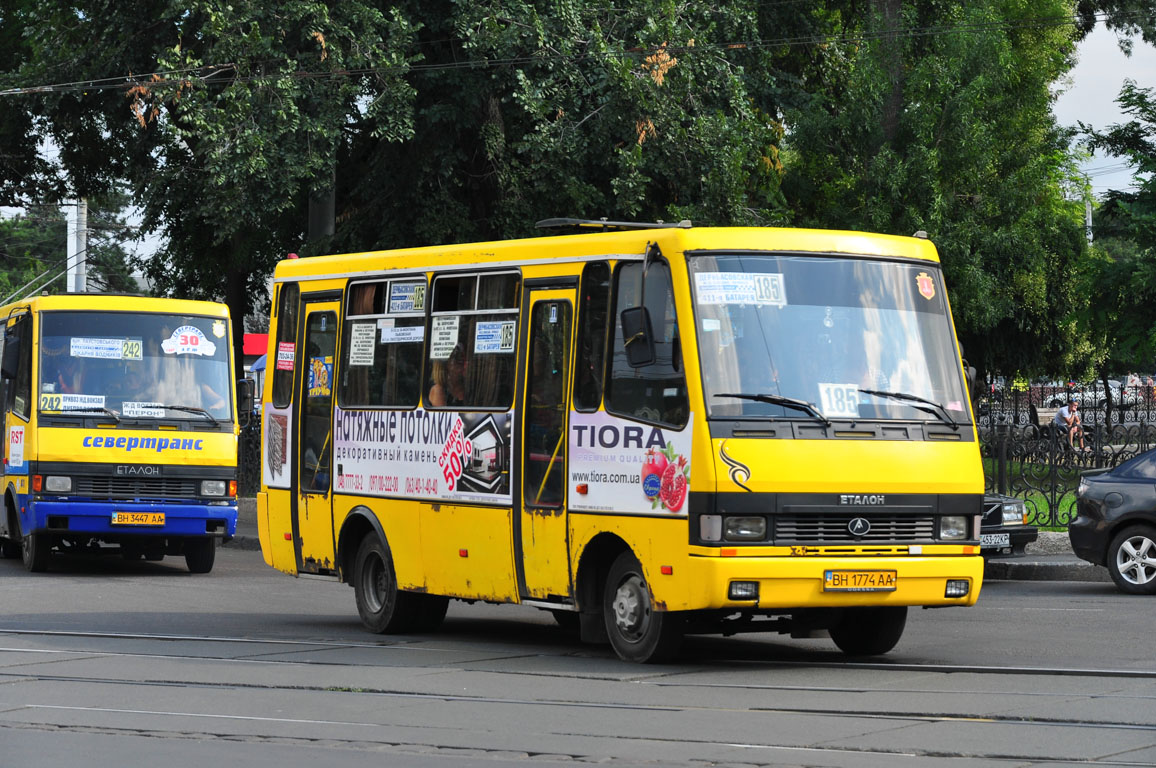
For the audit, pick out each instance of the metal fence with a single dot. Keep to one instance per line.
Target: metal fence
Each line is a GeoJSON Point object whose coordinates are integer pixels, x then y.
{"type": "Point", "coordinates": [1027, 456]}
{"type": "Point", "coordinates": [249, 459]}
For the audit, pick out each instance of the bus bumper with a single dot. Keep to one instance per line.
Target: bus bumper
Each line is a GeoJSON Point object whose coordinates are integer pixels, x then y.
{"type": "Point", "coordinates": [802, 582]}
{"type": "Point", "coordinates": [94, 518]}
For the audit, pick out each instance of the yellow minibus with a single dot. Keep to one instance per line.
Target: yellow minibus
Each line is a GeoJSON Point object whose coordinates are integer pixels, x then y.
{"type": "Point", "coordinates": [120, 428]}
{"type": "Point", "coordinates": [648, 430]}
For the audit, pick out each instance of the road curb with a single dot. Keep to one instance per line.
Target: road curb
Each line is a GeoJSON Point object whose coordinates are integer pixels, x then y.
{"type": "Point", "coordinates": [1035, 570]}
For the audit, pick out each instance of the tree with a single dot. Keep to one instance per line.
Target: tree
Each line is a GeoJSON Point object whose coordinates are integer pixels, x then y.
{"type": "Point", "coordinates": [528, 110]}
{"type": "Point", "coordinates": [33, 250]}
{"type": "Point", "coordinates": [221, 117]}
{"type": "Point", "coordinates": [951, 133]}
{"type": "Point", "coordinates": [1124, 313]}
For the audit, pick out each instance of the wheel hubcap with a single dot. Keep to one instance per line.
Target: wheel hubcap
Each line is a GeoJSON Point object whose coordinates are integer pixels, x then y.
{"type": "Point", "coordinates": [631, 607]}
{"type": "Point", "coordinates": [373, 581]}
{"type": "Point", "coordinates": [1136, 560]}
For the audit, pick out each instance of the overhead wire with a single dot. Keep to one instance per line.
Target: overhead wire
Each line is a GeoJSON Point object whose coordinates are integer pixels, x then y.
{"type": "Point", "coordinates": [179, 77]}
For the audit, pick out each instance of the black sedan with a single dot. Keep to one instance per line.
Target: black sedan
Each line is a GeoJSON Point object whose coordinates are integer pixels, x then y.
{"type": "Point", "coordinates": [1004, 529]}
{"type": "Point", "coordinates": [1115, 523]}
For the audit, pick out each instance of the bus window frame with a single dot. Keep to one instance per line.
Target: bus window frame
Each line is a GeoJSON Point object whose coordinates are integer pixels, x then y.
{"type": "Point", "coordinates": [282, 292]}
{"type": "Point", "coordinates": [427, 365]}
{"type": "Point", "coordinates": [613, 322]}
{"type": "Point", "coordinates": [581, 315]}
{"type": "Point", "coordinates": [345, 316]}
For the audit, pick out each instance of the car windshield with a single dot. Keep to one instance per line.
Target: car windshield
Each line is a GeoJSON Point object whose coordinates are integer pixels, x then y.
{"type": "Point", "coordinates": [853, 337]}
{"type": "Point", "coordinates": [135, 365]}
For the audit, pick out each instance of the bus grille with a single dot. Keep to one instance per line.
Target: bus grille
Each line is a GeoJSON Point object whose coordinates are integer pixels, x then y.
{"type": "Point", "coordinates": [134, 487]}
{"type": "Point", "coordinates": [822, 528]}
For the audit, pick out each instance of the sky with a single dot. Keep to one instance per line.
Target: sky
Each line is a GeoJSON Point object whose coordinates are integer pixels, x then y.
{"type": "Point", "coordinates": [1090, 97]}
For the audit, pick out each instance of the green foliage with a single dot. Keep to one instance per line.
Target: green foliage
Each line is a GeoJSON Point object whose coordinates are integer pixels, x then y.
{"type": "Point", "coordinates": [454, 120]}
{"type": "Point", "coordinates": [33, 250]}
{"type": "Point", "coordinates": [1124, 272]}
{"type": "Point", "coordinates": [628, 111]}
{"type": "Point", "coordinates": [221, 148]}
{"type": "Point", "coordinates": [953, 134]}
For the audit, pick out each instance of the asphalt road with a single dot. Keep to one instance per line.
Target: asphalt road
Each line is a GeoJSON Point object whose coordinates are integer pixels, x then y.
{"type": "Point", "coordinates": [105, 662]}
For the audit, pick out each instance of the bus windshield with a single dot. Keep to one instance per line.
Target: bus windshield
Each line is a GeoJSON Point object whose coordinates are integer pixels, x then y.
{"type": "Point", "coordinates": [820, 338]}
{"type": "Point", "coordinates": [138, 365]}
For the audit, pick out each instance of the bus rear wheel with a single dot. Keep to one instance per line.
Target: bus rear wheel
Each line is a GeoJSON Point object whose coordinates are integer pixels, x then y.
{"type": "Point", "coordinates": [383, 608]}
{"type": "Point", "coordinates": [637, 632]}
{"type": "Point", "coordinates": [200, 554]}
{"type": "Point", "coordinates": [869, 631]}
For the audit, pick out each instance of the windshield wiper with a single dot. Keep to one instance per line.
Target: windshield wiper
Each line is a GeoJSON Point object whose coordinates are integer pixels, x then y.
{"type": "Point", "coordinates": [192, 409]}
{"type": "Point", "coordinates": [90, 409]}
{"type": "Point", "coordinates": [928, 406]}
{"type": "Point", "coordinates": [786, 402]}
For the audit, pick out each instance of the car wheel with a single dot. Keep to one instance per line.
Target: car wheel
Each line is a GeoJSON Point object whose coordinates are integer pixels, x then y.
{"type": "Point", "coordinates": [637, 632]}
{"type": "Point", "coordinates": [1132, 560]}
{"type": "Point", "coordinates": [869, 631]}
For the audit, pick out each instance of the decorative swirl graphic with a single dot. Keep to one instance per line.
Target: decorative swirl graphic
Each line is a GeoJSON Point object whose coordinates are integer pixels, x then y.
{"type": "Point", "coordinates": [739, 472]}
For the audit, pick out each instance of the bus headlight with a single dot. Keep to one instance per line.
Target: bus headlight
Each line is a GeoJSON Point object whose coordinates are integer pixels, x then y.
{"type": "Point", "coordinates": [746, 528]}
{"type": "Point", "coordinates": [953, 527]}
{"type": "Point", "coordinates": [213, 487]}
{"type": "Point", "coordinates": [57, 484]}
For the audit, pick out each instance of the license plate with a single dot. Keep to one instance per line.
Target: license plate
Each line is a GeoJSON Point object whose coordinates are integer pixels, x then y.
{"type": "Point", "coordinates": [859, 581]}
{"type": "Point", "coordinates": [995, 540]}
{"type": "Point", "coordinates": [138, 518]}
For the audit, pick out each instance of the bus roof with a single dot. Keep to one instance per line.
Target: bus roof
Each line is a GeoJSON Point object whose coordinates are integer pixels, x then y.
{"type": "Point", "coordinates": [674, 239]}
{"type": "Point", "coordinates": [117, 302]}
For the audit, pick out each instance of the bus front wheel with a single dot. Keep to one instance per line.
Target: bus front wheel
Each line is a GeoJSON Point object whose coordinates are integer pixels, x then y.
{"type": "Point", "coordinates": [382, 606]}
{"type": "Point", "coordinates": [200, 554]}
{"type": "Point", "coordinates": [637, 632]}
{"type": "Point", "coordinates": [35, 549]}
{"type": "Point", "coordinates": [869, 631]}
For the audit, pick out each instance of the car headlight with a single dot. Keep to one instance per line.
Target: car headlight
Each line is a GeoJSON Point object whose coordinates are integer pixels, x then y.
{"type": "Point", "coordinates": [57, 484]}
{"type": "Point", "coordinates": [745, 528]}
{"type": "Point", "coordinates": [213, 487]}
{"type": "Point", "coordinates": [1082, 487]}
{"type": "Point", "coordinates": [1013, 513]}
{"type": "Point", "coordinates": [953, 527]}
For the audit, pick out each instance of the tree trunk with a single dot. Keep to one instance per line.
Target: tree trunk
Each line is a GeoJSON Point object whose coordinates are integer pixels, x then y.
{"type": "Point", "coordinates": [237, 300]}
{"type": "Point", "coordinates": [893, 104]}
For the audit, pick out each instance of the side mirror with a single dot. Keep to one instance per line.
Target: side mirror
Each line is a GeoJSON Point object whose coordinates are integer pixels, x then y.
{"type": "Point", "coordinates": [637, 337]}
{"type": "Point", "coordinates": [245, 397]}
{"type": "Point", "coordinates": [10, 363]}
{"type": "Point", "coordinates": [969, 373]}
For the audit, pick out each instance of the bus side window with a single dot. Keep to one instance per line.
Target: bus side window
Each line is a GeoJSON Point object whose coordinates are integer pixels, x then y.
{"type": "Point", "coordinates": [287, 310]}
{"type": "Point", "coordinates": [383, 342]}
{"type": "Point", "coordinates": [657, 392]}
{"type": "Point", "coordinates": [18, 393]}
{"type": "Point", "coordinates": [472, 341]}
{"type": "Point", "coordinates": [593, 314]}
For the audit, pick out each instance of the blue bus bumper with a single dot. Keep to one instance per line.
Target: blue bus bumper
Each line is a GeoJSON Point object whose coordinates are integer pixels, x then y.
{"type": "Point", "coordinates": [94, 518]}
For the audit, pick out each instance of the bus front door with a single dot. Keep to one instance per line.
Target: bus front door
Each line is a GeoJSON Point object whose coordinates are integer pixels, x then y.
{"type": "Point", "coordinates": [313, 510]}
{"type": "Point", "coordinates": [541, 538]}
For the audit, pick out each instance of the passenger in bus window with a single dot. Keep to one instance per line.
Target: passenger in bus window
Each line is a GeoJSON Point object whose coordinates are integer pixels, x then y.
{"type": "Point", "coordinates": [449, 380]}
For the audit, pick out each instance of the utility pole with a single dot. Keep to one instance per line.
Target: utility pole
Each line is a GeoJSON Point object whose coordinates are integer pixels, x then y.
{"type": "Point", "coordinates": [76, 214]}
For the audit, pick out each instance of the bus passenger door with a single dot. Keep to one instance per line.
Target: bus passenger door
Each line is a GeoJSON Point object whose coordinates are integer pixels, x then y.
{"type": "Point", "coordinates": [313, 511]}
{"type": "Point", "coordinates": [541, 539]}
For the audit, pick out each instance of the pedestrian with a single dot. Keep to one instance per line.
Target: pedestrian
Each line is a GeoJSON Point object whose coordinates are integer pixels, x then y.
{"type": "Point", "coordinates": [1068, 419]}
